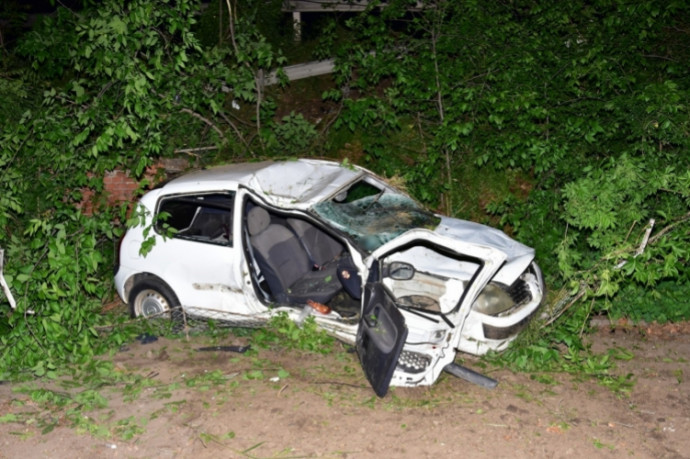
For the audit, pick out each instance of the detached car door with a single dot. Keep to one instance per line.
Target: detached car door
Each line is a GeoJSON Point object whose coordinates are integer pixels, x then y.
{"type": "Point", "coordinates": [464, 268]}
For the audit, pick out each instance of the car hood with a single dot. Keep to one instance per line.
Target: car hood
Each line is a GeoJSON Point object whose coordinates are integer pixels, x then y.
{"type": "Point", "coordinates": [518, 256]}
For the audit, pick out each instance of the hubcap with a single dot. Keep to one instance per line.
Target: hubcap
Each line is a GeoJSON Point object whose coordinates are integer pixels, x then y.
{"type": "Point", "coordinates": [150, 303]}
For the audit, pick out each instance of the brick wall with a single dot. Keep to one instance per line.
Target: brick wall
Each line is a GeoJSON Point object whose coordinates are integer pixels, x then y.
{"type": "Point", "coordinates": [119, 187]}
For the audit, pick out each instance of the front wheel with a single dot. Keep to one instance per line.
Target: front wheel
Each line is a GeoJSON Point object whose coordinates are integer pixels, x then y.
{"type": "Point", "coordinates": [151, 298]}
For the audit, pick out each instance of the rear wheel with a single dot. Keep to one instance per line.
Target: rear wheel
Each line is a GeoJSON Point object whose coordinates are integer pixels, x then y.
{"type": "Point", "coordinates": [152, 298]}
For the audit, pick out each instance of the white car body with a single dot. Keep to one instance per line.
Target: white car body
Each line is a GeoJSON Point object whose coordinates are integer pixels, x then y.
{"type": "Point", "coordinates": [424, 292]}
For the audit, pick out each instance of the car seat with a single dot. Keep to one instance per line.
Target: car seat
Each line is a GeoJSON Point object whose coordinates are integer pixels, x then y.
{"type": "Point", "coordinates": [286, 265]}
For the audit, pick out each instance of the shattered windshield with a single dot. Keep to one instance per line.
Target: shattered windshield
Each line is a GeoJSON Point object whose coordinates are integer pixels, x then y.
{"type": "Point", "coordinates": [373, 215]}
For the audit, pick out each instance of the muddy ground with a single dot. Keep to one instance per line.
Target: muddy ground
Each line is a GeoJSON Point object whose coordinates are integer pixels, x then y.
{"type": "Point", "coordinates": [273, 404]}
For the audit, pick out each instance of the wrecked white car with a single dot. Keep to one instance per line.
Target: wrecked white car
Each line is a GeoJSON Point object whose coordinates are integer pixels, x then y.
{"type": "Point", "coordinates": [407, 287]}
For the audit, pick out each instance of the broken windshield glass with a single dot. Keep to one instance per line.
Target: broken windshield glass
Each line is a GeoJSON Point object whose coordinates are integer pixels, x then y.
{"type": "Point", "coordinates": [373, 216]}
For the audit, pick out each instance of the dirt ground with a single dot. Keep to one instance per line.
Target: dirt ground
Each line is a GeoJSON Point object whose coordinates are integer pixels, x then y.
{"type": "Point", "coordinates": [271, 404]}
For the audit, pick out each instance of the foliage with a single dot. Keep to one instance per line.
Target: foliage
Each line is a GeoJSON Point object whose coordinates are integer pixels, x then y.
{"type": "Point", "coordinates": [561, 350]}
{"type": "Point", "coordinates": [291, 137]}
{"type": "Point", "coordinates": [631, 196]}
{"type": "Point", "coordinates": [13, 94]}
{"type": "Point", "coordinates": [120, 84]}
{"type": "Point", "coordinates": [667, 302]}
{"type": "Point", "coordinates": [284, 332]}
{"type": "Point", "coordinates": [55, 408]}
{"type": "Point", "coordinates": [601, 129]}
{"type": "Point", "coordinates": [58, 288]}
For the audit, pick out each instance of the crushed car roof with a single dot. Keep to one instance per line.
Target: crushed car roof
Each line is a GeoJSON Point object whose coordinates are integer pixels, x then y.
{"type": "Point", "coordinates": [299, 183]}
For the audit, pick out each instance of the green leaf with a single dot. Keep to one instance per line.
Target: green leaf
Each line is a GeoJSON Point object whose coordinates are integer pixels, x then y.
{"type": "Point", "coordinates": [118, 25]}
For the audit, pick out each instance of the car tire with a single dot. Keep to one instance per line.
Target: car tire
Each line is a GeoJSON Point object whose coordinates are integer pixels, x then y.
{"type": "Point", "coordinates": [152, 298]}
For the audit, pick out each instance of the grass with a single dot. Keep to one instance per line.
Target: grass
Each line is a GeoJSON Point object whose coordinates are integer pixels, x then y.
{"type": "Point", "coordinates": [283, 332]}
{"type": "Point", "coordinates": [598, 444]}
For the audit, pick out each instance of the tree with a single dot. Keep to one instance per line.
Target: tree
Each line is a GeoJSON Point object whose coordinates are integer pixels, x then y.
{"type": "Point", "coordinates": [598, 125]}
{"type": "Point", "coordinates": [122, 84]}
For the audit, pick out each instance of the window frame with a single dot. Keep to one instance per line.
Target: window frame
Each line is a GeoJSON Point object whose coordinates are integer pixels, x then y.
{"type": "Point", "coordinates": [226, 208]}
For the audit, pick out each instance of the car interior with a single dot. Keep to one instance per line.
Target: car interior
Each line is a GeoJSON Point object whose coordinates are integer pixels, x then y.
{"type": "Point", "coordinates": [295, 262]}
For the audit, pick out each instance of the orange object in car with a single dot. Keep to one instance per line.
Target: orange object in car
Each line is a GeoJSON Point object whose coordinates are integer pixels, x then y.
{"type": "Point", "coordinates": [322, 308]}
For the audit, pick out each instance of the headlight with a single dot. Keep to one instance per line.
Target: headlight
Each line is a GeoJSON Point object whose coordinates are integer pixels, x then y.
{"type": "Point", "coordinates": [493, 301]}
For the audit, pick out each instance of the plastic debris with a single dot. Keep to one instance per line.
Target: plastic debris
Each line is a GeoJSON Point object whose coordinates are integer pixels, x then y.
{"type": "Point", "coordinates": [146, 338]}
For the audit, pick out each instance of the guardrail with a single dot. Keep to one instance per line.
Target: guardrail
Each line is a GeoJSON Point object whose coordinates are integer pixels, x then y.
{"type": "Point", "coordinates": [300, 71]}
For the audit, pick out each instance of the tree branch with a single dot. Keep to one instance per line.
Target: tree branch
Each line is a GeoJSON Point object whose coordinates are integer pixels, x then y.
{"type": "Point", "coordinates": [665, 230]}
{"type": "Point", "coordinates": [231, 23]}
{"type": "Point", "coordinates": [192, 151]}
{"type": "Point", "coordinates": [205, 120]}
{"type": "Point", "coordinates": [237, 131]}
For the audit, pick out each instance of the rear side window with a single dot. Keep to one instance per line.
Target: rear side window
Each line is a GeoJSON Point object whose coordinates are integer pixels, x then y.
{"type": "Point", "coordinates": [199, 217]}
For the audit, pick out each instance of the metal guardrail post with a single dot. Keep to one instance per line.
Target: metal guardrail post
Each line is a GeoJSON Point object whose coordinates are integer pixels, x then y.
{"type": "Point", "coordinates": [3, 283]}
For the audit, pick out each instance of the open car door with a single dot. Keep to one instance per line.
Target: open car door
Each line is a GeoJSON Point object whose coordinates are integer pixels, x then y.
{"type": "Point", "coordinates": [380, 338]}
{"type": "Point", "coordinates": [433, 261]}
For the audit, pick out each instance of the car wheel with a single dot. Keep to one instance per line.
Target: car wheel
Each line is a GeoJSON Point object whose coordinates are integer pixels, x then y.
{"type": "Point", "coordinates": [151, 298]}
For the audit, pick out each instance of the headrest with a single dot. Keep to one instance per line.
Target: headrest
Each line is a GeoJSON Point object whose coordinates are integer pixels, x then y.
{"type": "Point", "coordinates": [257, 220]}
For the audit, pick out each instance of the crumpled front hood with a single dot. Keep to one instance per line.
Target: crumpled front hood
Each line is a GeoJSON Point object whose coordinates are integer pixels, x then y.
{"type": "Point", "coordinates": [518, 255]}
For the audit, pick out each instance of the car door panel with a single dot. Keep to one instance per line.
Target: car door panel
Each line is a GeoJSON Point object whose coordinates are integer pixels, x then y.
{"type": "Point", "coordinates": [380, 337]}
{"type": "Point", "coordinates": [197, 260]}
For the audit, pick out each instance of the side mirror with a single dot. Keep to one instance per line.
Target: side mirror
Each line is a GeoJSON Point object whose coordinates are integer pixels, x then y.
{"type": "Point", "coordinates": [399, 270]}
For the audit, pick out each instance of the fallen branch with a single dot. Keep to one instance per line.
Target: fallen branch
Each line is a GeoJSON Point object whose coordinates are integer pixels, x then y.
{"type": "Point", "coordinates": [560, 312]}
{"type": "Point", "coordinates": [643, 243]}
{"type": "Point", "coordinates": [646, 241]}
